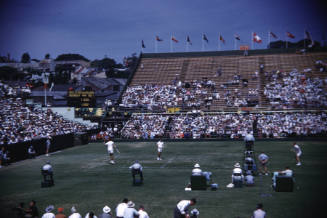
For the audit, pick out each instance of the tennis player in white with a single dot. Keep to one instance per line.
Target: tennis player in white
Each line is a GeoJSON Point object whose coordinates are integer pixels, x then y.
{"type": "Point", "coordinates": [160, 146]}
{"type": "Point", "coordinates": [110, 147]}
{"type": "Point", "coordinates": [298, 152]}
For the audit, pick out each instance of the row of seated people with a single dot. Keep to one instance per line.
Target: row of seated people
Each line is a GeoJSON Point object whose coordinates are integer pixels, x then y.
{"type": "Point", "coordinates": [295, 89]}
{"type": "Point", "coordinates": [189, 95]}
{"type": "Point", "coordinates": [231, 125]}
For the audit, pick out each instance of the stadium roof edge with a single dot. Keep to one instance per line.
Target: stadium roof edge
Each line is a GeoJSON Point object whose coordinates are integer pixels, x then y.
{"type": "Point", "coordinates": [224, 53]}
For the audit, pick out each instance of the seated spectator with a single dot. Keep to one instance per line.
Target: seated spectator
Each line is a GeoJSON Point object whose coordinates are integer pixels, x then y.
{"type": "Point", "coordinates": [31, 152]}
{"type": "Point", "coordinates": [130, 211]}
{"type": "Point", "coordinates": [237, 176]}
{"type": "Point", "coordinates": [48, 212]}
{"type": "Point", "coordinates": [19, 210]}
{"type": "Point", "coordinates": [75, 214]}
{"type": "Point", "coordinates": [106, 212]}
{"type": "Point", "coordinates": [60, 213]}
{"type": "Point", "coordinates": [90, 215]}
{"type": "Point", "coordinates": [121, 208]}
{"type": "Point", "coordinates": [259, 212]}
{"type": "Point", "coordinates": [249, 179]}
{"type": "Point", "coordinates": [197, 171]}
{"type": "Point", "coordinates": [32, 211]}
{"type": "Point", "coordinates": [286, 172]}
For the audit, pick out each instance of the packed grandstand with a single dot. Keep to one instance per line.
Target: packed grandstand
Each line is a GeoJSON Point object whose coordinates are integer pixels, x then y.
{"type": "Point", "coordinates": [273, 94]}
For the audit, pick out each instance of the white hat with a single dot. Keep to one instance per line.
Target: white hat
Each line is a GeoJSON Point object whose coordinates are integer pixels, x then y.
{"type": "Point", "coordinates": [230, 185]}
{"type": "Point", "coordinates": [237, 165]}
{"type": "Point", "coordinates": [197, 165]}
{"type": "Point", "coordinates": [130, 204]}
{"type": "Point", "coordinates": [73, 210]}
{"type": "Point", "coordinates": [106, 209]}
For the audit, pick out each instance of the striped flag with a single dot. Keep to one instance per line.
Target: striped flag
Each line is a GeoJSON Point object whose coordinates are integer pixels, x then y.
{"type": "Point", "coordinates": [273, 35]}
{"type": "Point", "coordinates": [158, 39]}
{"type": "Point", "coordinates": [290, 35]}
{"type": "Point", "coordinates": [143, 45]}
{"type": "Point", "coordinates": [221, 39]}
{"type": "Point", "coordinates": [174, 39]}
{"type": "Point", "coordinates": [308, 36]}
{"type": "Point", "coordinates": [256, 38]}
{"type": "Point", "coordinates": [205, 38]}
{"type": "Point", "coordinates": [237, 36]}
{"type": "Point", "coordinates": [188, 40]}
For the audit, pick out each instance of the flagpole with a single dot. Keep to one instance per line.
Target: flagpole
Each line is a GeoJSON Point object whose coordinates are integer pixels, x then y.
{"type": "Point", "coordinates": [234, 43]}
{"type": "Point", "coordinates": [252, 41]}
{"type": "Point", "coordinates": [171, 43]}
{"type": "Point", "coordinates": [186, 47]}
{"type": "Point", "coordinates": [304, 39]}
{"type": "Point", "coordinates": [269, 38]}
{"type": "Point", "coordinates": [155, 46]}
{"type": "Point", "coordinates": [286, 40]}
{"type": "Point", "coordinates": [219, 43]}
{"type": "Point", "coordinates": [202, 43]}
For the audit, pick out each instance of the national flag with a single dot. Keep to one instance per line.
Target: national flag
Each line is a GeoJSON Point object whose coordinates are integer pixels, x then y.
{"type": "Point", "coordinates": [188, 40]}
{"type": "Point", "coordinates": [221, 39]}
{"type": "Point", "coordinates": [205, 38]}
{"type": "Point", "coordinates": [273, 35]}
{"type": "Point", "coordinates": [143, 45]}
{"type": "Point", "coordinates": [158, 39]}
{"type": "Point", "coordinates": [290, 35]}
{"type": "Point", "coordinates": [174, 39]}
{"type": "Point", "coordinates": [237, 36]}
{"type": "Point", "coordinates": [256, 38]}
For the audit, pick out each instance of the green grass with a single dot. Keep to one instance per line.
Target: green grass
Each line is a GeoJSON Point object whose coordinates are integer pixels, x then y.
{"type": "Point", "coordinates": [84, 178]}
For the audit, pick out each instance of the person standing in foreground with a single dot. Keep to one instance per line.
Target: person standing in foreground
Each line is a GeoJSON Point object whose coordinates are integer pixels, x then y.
{"type": "Point", "coordinates": [110, 147]}
{"type": "Point", "coordinates": [259, 213]}
{"type": "Point", "coordinates": [298, 152]}
{"type": "Point", "coordinates": [120, 209]}
{"type": "Point", "coordinates": [160, 146]}
{"type": "Point", "coordinates": [181, 209]}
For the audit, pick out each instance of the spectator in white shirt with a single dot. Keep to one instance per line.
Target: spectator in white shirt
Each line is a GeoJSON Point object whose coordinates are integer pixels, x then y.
{"type": "Point", "coordinates": [74, 214]}
{"type": "Point", "coordinates": [142, 212]}
{"type": "Point", "coordinates": [197, 171]}
{"type": "Point", "coordinates": [181, 210]}
{"type": "Point", "coordinates": [287, 172]}
{"type": "Point", "coordinates": [48, 213]}
{"type": "Point", "coordinates": [120, 209]}
{"type": "Point", "coordinates": [259, 213]}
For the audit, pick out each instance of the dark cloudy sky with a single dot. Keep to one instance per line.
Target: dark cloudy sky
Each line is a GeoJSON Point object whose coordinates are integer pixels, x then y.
{"type": "Point", "coordinates": [95, 28]}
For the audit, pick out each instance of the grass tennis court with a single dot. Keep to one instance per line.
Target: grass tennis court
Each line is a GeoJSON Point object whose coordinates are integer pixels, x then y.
{"type": "Point", "coordinates": [84, 178]}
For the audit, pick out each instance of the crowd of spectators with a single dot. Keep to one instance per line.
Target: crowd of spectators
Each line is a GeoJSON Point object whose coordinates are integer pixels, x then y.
{"type": "Point", "coordinates": [204, 126]}
{"type": "Point", "coordinates": [20, 122]}
{"type": "Point", "coordinates": [145, 126]}
{"type": "Point", "coordinates": [195, 94]}
{"type": "Point", "coordinates": [230, 125]}
{"type": "Point", "coordinates": [279, 125]}
{"type": "Point", "coordinates": [295, 90]}
{"type": "Point", "coordinates": [125, 209]}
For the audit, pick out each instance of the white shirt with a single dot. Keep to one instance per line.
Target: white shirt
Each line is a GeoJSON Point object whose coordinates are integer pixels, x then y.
{"type": "Point", "coordinates": [288, 172]}
{"type": "Point", "coordinates": [136, 166]}
{"type": "Point", "coordinates": [196, 172]}
{"type": "Point", "coordinates": [143, 214]}
{"type": "Point", "coordinates": [47, 167]}
{"type": "Point", "coordinates": [259, 213]}
{"type": "Point", "coordinates": [297, 149]}
{"type": "Point", "coordinates": [249, 137]}
{"type": "Point", "coordinates": [48, 215]}
{"type": "Point", "coordinates": [183, 206]}
{"type": "Point", "coordinates": [110, 145]}
{"type": "Point", "coordinates": [237, 170]}
{"type": "Point", "coordinates": [160, 145]}
{"type": "Point", "coordinates": [120, 209]}
{"type": "Point", "coordinates": [75, 215]}
{"type": "Point", "coordinates": [263, 157]}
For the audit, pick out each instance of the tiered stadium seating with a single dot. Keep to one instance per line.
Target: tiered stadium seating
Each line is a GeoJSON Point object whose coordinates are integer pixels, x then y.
{"type": "Point", "coordinates": [167, 68]}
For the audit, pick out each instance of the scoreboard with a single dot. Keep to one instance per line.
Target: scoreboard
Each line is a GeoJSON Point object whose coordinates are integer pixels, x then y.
{"type": "Point", "coordinates": [81, 99]}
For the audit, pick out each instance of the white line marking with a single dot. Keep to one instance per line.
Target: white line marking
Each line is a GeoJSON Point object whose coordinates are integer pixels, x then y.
{"type": "Point", "coordinates": [168, 162]}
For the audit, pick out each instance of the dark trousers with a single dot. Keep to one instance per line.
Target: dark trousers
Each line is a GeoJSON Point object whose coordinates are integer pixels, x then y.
{"type": "Point", "coordinates": [137, 172]}
{"type": "Point", "coordinates": [177, 213]}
